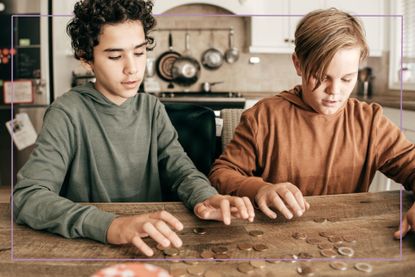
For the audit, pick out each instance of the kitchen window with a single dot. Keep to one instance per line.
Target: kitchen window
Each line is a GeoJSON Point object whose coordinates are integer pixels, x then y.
{"type": "Point", "coordinates": [407, 10]}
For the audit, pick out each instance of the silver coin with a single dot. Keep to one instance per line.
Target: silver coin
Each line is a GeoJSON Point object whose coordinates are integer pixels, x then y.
{"type": "Point", "coordinates": [364, 267]}
{"type": "Point", "coordinates": [345, 251]}
{"type": "Point", "coordinates": [257, 264]}
{"type": "Point", "coordinates": [199, 231]}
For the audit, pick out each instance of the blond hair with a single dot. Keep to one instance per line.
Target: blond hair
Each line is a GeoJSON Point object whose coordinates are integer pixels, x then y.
{"type": "Point", "coordinates": [320, 34]}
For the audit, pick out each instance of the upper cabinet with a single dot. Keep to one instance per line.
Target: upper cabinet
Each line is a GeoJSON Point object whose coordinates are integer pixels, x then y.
{"type": "Point", "coordinates": [273, 31]}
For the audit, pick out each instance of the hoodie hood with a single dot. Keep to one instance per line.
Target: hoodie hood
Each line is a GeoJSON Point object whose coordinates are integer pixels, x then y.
{"type": "Point", "coordinates": [294, 96]}
{"type": "Point", "coordinates": [88, 90]}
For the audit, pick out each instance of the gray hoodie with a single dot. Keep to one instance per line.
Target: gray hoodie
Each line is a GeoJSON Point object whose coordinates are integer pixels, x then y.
{"type": "Point", "coordinates": [91, 150]}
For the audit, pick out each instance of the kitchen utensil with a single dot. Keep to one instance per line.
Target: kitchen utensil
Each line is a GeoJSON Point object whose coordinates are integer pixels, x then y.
{"type": "Point", "coordinates": [232, 54]}
{"type": "Point", "coordinates": [165, 61]}
{"type": "Point", "coordinates": [186, 69]}
{"type": "Point", "coordinates": [207, 87]}
{"type": "Point", "coordinates": [212, 58]}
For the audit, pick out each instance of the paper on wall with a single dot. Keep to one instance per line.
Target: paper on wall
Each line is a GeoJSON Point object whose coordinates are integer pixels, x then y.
{"type": "Point", "coordinates": [22, 131]}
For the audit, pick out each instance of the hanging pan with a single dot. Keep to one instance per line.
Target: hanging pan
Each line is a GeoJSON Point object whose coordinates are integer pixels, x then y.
{"type": "Point", "coordinates": [165, 62]}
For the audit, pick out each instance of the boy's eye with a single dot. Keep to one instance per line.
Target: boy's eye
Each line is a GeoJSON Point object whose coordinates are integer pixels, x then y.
{"type": "Point", "coordinates": [347, 80]}
{"type": "Point", "coordinates": [114, 58]}
{"type": "Point", "coordinates": [138, 54]}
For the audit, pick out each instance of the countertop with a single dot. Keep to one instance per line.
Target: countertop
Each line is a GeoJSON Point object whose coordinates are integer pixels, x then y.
{"type": "Point", "coordinates": [368, 218]}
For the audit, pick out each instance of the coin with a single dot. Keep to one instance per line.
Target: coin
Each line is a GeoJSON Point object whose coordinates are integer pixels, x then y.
{"type": "Point", "coordinates": [335, 239]}
{"type": "Point", "coordinates": [290, 258]}
{"type": "Point", "coordinates": [332, 219]}
{"type": "Point", "coordinates": [273, 261]}
{"type": "Point", "coordinates": [260, 247]}
{"type": "Point", "coordinates": [257, 264]}
{"type": "Point", "coordinates": [313, 241]}
{"type": "Point", "coordinates": [348, 238]}
{"type": "Point", "coordinates": [326, 234]}
{"type": "Point", "coordinates": [171, 251]}
{"type": "Point", "coordinates": [191, 262]}
{"type": "Point", "coordinates": [222, 256]}
{"type": "Point", "coordinates": [305, 270]}
{"type": "Point", "coordinates": [178, 272]}
{"type": "Point", "coordinates": [196, 270]}
{"type": "Point", "coordinates": [338, 244]}
{"type": "Point", "coordinates": [160, 247]}
{"type": "Point", "coordinates": [199, 231]}
{"type": "Point", "coordinates": [319, 220]}
{"type": "Point", "coordinates": [329, 253]}
{"type": "Point", "coordinates": [364, 267]}
{"type": "Point", "coordinates": [299, 235]}
{"type": "Point", "coordinates": [245, 246]}
{"type": "Point", "coordinates": [245, 268]}
{"type": "Point", "coordinates": [219, 249]}
{"type": "Point", "coordinates": [325, 245]}
{"type": "Point", "coordinates": [345, 251]}
{"type": "Point", "coordinates": [207, 254]}
{"type": "Point", "coordinates": [304, 255]}
{"type": "Point", "coordinates": [338, 265]}
{"type": "Point", "coordinates": [211, 273]}
{"type": "Point", "coordinates": [256, 233]}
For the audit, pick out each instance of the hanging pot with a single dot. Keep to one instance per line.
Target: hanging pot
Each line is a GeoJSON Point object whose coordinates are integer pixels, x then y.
{"type": "Point", "coordinates": [232, 54]}
{"type": "Point", "coordinates": [212, 58]}
{"type": "Point", "coordinates": [165, 62]}
{"type": "Point", "coordinates": [186, 69]}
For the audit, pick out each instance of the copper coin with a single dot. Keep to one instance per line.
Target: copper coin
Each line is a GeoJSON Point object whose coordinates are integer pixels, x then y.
{"type": "Point", "coordinates": [178, 272]}
{"type": "Point", "coordinates": [304, 255]}
{"type": "Point", "coordinates": [171, 251]}
{"type": "Point", "coordinates": [273, 261]}
{"type": "Point", "coordinates": [319, 220]}
{"type": "Point", "coordinates": [335, 239]}
{"type": "Point", "coordinates": [245, 268]}
{"type": "Point", "coordinates": [329, 253]}
{"type": "Point", "coordinates": [222, 256]}
{"type": "Point", "coordinates": [326, 234]}
{"type": "Point", "coordinates": [245, 246]}
{"type": "Point", "coordinates": [305, 270]}
{"type": "Point", "coordinates": [260, 247]}
{"type": "Point", "coordinates": [199, 231]}
{"type": "Point", "coordinates": [338, 265]}
{"type": "Point", "coordinates": [191, 262]}
{"type": "Point", "coordinates": [348, 238]}
{"type": "Point", "coordinates": [338, 244]}
{"type": "Point", "coordinates": [197, 270]}
{"type": "Point", "coordinates": [207, 254]}
{"type": "Point", "coordinates": [364, 267]}
{"type": "Point", "coordinates": [258, 264]}
{"type": "Point", "coordinates": [325, 245]}
{"type": "Point", "coordinates": [313, 241]}
{"type": "Point", "coordinates": [299, 235]}
{"type": "Point", "coordinates": [211, 273]}
{"type": "Point", "coordinates": [345, 251]}
{"type": "Point", "coordinates": [219, 249]}
{"type": "Point", "coordinates": [256, 233]}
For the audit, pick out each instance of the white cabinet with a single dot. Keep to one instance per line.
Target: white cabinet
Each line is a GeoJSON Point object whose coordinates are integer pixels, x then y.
{"type": "Point", "coordinates": [273, 32]}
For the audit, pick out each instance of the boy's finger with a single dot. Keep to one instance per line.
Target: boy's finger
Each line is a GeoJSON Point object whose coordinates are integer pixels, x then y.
{"type": "Point", "coordinates": [168, 233]}
{"type": "Point", "coordinates": [225, 210]}
{"type": "Point", "coordinates": [292, 203]}
{"type": "Point", "coordinates": [142, 246]}
{"type": "Point", "coordinates": [264, 208]}
{"type": "Point", "coordinates": [240, 205]}
{"type": "Point", "coordinates": [169, 218]}
{"type": "Point", "coordinates": [155, 234]}
{"type": "Point", "coordinates": [250, 208]}
{"type": "Point", "coordinates": [404, 228]}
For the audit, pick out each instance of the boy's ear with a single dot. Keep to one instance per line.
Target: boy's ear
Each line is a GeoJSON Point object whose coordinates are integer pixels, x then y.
{"type": "Point", "coordinates": [296, 63]}
{"type": "Point", "coordinates": [87, 65]}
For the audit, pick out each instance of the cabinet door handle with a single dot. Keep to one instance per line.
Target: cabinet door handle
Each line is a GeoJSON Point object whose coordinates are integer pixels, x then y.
{"type": "Point", "coordinates": [286, 40]}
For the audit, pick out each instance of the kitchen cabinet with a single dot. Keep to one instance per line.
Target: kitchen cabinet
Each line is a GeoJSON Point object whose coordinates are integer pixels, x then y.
{"type": "Point", "coordinates": [274, 31]}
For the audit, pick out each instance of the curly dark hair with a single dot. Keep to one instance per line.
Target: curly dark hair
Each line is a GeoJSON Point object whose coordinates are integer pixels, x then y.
{"type": "Point", "coordinates": [85, 27]}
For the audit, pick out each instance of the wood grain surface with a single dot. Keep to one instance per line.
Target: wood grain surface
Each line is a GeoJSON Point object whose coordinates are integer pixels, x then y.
{"type": "Point", "coordinates": [370, 218]}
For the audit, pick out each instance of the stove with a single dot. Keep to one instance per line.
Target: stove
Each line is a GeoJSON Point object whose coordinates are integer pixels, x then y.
{"type": "Point", "coordinates": [213, 100]}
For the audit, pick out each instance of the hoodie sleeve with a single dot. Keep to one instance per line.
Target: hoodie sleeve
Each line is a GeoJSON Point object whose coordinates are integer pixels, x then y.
{"type": "Point", "coordinates": [176, 168]}
{"type": "Point", "coordinates": [395, 154]}
{"type": "Point", "coordinates": [235, 171]}
{"type": "Point", "coordinates": [36, 199]}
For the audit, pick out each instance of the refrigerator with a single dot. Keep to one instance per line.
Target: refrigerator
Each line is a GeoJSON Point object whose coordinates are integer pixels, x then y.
{"type": "Point", "coordinates": [24, 40]}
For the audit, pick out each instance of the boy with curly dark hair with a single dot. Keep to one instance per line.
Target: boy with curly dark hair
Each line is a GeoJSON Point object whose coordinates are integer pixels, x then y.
{"type": "Point", "coordinates": [104, 142]}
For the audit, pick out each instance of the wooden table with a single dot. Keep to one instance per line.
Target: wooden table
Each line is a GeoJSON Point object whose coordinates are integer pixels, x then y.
{"type": "Point", "coordinates": [370, 217]}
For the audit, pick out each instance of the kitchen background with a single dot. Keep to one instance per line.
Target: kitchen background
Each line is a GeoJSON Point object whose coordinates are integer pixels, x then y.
{"type": "Point", "coordinates": [263, 69]}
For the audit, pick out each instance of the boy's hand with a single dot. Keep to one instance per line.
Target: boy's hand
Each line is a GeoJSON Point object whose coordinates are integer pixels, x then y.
{"type": "Point", "coordinates": [222, 208]}
{"type": "Point", "coordinates": [130, 229]}
{"type": "Point", "coordinates": [284, 197]}
{"type": "Point", "coordinates": [408, 223]}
